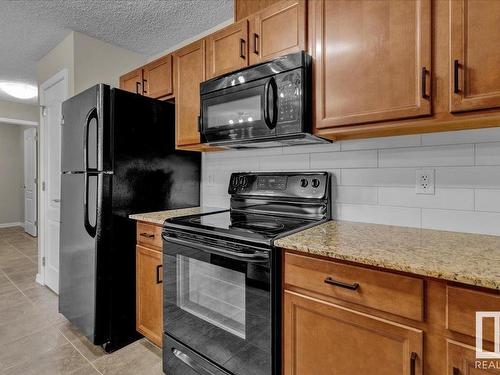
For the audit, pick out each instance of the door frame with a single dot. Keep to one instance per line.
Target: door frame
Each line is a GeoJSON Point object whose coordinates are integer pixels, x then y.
{"type": "Point", "coordinates": [43, 157]}
{"type": "Point", "coordinates": [34, 133]}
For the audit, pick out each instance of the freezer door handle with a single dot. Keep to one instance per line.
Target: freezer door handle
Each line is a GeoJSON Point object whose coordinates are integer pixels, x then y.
{"type": "Point", "coordinates": [92, 114]}
{"type": "Point", "coordinates": [91, 229]}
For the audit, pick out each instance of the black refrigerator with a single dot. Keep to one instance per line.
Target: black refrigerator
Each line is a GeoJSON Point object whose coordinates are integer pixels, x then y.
{"type": "Point", "coordinates": [118, 157]}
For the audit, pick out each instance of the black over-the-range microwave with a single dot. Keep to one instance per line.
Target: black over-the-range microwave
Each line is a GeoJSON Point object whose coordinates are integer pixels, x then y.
{"type": "Point", "coordinates": [264, 105]}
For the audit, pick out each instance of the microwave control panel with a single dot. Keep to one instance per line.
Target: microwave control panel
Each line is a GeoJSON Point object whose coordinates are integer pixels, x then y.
{"type": "Point", "coordinates": [289, 96]}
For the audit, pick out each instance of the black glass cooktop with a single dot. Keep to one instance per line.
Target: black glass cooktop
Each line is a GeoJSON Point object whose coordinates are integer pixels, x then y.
{"type": "Point", "coordinates": [241, 224]}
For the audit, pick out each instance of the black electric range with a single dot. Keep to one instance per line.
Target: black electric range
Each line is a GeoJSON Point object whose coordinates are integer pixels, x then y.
{"type": "Point", "coordinates": [222, 274]}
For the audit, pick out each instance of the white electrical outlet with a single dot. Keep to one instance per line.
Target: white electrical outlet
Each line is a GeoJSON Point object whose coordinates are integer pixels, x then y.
{"type": "Point", "coordinates": [425, 181]}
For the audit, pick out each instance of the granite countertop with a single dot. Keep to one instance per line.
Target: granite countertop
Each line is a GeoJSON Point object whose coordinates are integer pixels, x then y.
{"type": "Point", "coordinates": [159, 217]}
{"type": "Point", "coordinates": [466, 258]}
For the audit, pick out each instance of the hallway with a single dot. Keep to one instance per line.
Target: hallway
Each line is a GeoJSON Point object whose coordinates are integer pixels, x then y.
{"type": "Point", "coordinates": [36, 339]}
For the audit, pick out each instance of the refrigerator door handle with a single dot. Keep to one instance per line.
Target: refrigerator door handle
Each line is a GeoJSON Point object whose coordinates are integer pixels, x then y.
{"type": "Point", "coordinates": [92, 114]}
{"type": "Point", "coordinates": [91, 229]}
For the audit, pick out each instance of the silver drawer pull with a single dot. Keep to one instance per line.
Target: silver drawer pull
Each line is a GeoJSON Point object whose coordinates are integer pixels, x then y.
{"type": "Point", "coordinates": [330, 281]}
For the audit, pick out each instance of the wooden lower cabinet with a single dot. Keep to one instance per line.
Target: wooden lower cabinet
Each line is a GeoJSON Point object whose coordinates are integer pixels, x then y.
{"type": "Point", "coordinates": [323, 339]}
{"type": "Point", "coordinates": [461, 360]}
{"type": "Point", "coordinates": [331, 325]}
{"type": "Point", "coordinates": [149, 293]}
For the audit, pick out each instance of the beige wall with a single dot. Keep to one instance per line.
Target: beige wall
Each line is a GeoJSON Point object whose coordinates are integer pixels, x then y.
{"type": "Point", "coordinates": [100, 62]}
{"type": "Point", "coordinates": [60, 57]}
{"type": "Point", "coordinates": [11, 173]}
{"type": "Point", "coordinates": [89, 61]}
{"type": "Point", "coordinates": [19, 111]}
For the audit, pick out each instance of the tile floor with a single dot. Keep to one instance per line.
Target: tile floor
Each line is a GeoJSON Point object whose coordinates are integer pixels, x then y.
{"type": "Point", "coordinates": [36, 339]}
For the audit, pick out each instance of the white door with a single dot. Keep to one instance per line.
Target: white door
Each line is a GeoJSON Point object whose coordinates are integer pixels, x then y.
{"type": "Point", "coordinates": [53, 93]}
{"type": "Point", "coordinates": [30, 169]}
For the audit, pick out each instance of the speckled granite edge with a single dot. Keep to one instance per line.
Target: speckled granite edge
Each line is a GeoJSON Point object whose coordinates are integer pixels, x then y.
{"type": "Point", "coordinates": [159, 217]}
{"type": "Point", "coordinates": [465, 258]}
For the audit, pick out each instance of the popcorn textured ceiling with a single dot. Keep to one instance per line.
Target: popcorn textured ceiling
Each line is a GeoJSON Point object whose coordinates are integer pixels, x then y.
{"type": "Point", "coordinates": [31, 28]}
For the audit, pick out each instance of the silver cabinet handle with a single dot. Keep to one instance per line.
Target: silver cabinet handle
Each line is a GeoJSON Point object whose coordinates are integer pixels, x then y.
{"type": "Point", "coordinates": [56, 200]}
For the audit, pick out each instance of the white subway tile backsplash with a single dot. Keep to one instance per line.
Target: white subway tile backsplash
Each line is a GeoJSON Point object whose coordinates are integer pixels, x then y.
{"type": "Point", "coordinates": [402, 216]}
{"type": "Point", "coordinates": [284, 162]}
{"type": "Point", "coordinates": [453, 199]}
{"type": "Point", "coordinates": [488, 154]}
{"type": "Point", "coordinates": [374, 179]}
{"type": "Point", "coordinates": [379, 177]}
{"type": "Point", "coordinates": [348, 159]}
{"type": "Point", "coordinates": [305, 149]}
{"type": "Point", "coordinates": [462, 155]}
{"type": "Point", "coordinates": [462, 137]}
{"type": "Point", "coordinates": [488, 200]}
{"type": "Point", "coordinates": [462, 221]}
{"type": "Point", "coordinates": [378, 143]}
{"type": "Point", "coordinates": [468, 177]}
{"type": "Point", "coordinates": [355, 194]}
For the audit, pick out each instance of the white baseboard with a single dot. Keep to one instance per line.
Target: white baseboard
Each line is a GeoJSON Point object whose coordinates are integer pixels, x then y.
{"type": "Point", "coordinates": [9, 225]}
{"type": "Point", "coordinates": [39, 279]}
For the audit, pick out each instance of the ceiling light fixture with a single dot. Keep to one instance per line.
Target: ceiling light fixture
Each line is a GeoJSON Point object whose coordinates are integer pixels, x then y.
{"type": "Point", "coordinates": [19, 90]}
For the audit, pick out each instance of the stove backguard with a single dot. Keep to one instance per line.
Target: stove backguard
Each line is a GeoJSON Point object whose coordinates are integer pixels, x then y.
{"type": "Point", "coordinates": [295, 194]}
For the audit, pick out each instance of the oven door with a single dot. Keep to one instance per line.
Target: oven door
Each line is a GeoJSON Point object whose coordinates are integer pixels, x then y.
{"type": "Point", "coordinates": [217, 308]}
{"type": "Point", "coordinates": [243, 112]}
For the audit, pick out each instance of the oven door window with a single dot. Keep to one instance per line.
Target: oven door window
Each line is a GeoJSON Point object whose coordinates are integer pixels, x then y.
{"type": "Point", "coordinates": [219, 307]}
{"type": "Point", "coordinates": [212, 293]}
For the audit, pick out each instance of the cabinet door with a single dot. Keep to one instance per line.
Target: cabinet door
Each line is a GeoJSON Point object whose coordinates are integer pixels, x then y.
{"type": "Point", "coordinates": [462, 361]}
{"type": "Point", "coordinates": [190, 72]}
{"type": "Point", "coordinates": [372, 60]}
{"type": "Point", "coordinates": [323, 339]}
{"type": "Point", "coordinates": [158, 78]}
{"type": "Point", "coordinates": [474, 55]}
{"type": "Point", "coordinates": [149, 309]}
{"type": "Point", "coordinates": [227, 49]}
{"type": "Point", "coordinates": [132, 81]}
{"type": "Point", "coordinates": [278, 30]}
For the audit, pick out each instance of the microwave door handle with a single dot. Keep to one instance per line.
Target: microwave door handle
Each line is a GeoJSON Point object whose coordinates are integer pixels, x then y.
{"type": "Point", "coordinates": [271, 123]}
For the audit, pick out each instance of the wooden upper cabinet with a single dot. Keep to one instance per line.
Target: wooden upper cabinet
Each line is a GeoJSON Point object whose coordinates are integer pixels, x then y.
{"type": "Point", "coordinates": [149, 292]}
{"type": "Point", "coordinates": [321, 338]}
{"type": "Point", "coordinates": [158, 78]}
{"type": "Point", "coordinates": [189, 63]}
{"type": "Point", "coordinates": [245, 8]}
{"type": "Point", "coordinates": [278, 30]}
{"type": "Point", "coordinates": [132, 81]}
{"type": "Point", "coordinates": [372, 60]}
{"type": "Point", "coordinates": [461, 360]}
{"type": "Point", "coordinates": [474, 54]}
{"type": "Point", "coordinates": [227, 49]}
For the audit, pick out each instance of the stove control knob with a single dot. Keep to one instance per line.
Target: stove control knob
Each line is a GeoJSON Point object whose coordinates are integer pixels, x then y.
{"type": "Point", "coordinates": [235, 181]}
{"type": "Point", "coordinates": [315, 183]}
{"type": "Point", "coordinates": [243, 181]}
{"type": "Point", "coordinates": [304, 183]}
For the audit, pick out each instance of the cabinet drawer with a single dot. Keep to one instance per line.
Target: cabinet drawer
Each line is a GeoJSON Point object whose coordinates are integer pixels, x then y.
{"type": "Point", "coordinates": [395, 294]}
{"type": "Point", "coordinates": [149, 235]}
{"type": "Point", "coordinates": [461, 307]}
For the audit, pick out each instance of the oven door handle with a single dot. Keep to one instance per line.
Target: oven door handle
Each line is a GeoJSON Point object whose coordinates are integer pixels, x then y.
{"type": "Point", "coordinates": [256, 256]}
{"type": "Point", "coordinates": [271, 123]}
{"type": "Point", "coordinates": [190, 362]}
